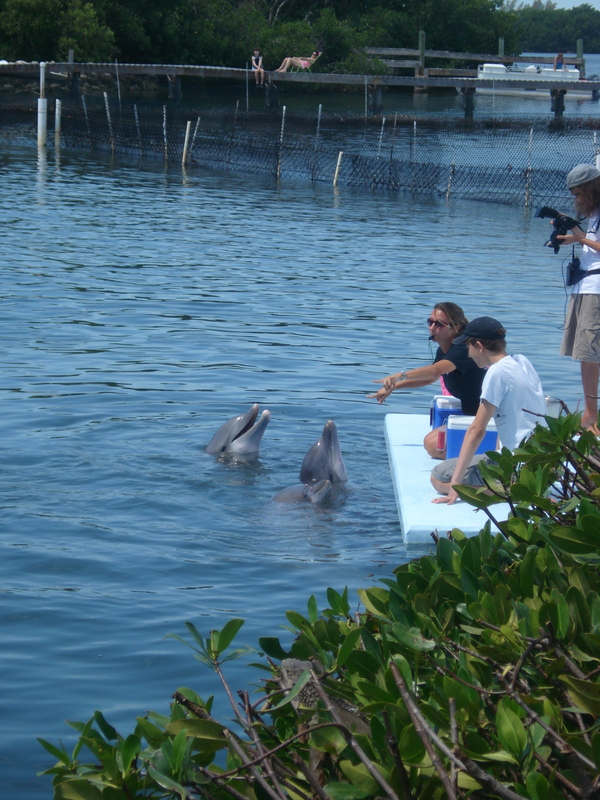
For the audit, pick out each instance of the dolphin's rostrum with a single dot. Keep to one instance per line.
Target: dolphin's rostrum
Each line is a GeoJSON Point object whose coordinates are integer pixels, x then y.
{"type": "Point", "coordinates": [241, 434]}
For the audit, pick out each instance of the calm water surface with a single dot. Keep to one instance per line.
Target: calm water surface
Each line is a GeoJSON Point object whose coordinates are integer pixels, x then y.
{"type": "Point", "coordinates": [140, 309]}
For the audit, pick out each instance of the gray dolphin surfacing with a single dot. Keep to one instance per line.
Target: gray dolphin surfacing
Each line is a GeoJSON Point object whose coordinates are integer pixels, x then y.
{"type": "Point", "coordinates": [324, 459]}
{"type": "Point", "coordinates": [241, 434]}
{"type": "Point", "coordinates": [323, 466]}
{"type": "Point", "coordinates": [304, 493]}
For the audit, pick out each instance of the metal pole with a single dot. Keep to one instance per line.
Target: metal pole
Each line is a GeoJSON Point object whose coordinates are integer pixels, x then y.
{"type": "Point", "coordinates": [57, 113]}
{"type": "Point", "coordinates": [337, 168]}
{"type": "Point", "coordinates": [366, 98]}
{"type": "Point", "coordinates": [42, 105]}
{"type": "Point", "coordinates": [188, 128]}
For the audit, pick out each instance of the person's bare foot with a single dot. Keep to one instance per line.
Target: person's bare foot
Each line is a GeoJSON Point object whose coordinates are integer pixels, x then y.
{"type": "Point", "coordinates": [590, 423]}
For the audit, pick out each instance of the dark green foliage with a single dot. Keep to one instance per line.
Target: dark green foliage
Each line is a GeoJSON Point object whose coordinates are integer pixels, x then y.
{"type": "Point", "coordinates": [474, 671]}
{"type": "Point", "coordinates": [224, 32]}
{"type": "Point", "coordinates": [543, 29]}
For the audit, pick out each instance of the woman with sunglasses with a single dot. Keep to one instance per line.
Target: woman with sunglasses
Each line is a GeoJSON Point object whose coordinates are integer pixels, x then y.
{"type": "Point", "coordinates": [461, 377]}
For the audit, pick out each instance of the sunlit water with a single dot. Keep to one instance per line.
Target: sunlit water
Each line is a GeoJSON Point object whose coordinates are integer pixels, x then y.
{"type": "Point", "coordinates": [140, 309]}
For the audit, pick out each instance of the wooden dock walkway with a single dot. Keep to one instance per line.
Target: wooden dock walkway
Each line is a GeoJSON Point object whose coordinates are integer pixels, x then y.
{"type": "Point", "coordinates": [66, 70]}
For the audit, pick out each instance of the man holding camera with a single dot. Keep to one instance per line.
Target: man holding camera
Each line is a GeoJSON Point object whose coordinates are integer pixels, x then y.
{"type": "Point", "coordinates": [581, 339]}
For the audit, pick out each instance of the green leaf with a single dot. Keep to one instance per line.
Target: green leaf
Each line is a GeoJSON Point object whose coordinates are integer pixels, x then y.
{"type": "Point", "coordinates": [300, 683]}
{"type": "Point", "coordinates": [412, 749]}
{"type": "Point", "coordinates": [199, 729]}
{"type": "Point", "coordinates": [107, 730]}
{"type": "Point", "coordinates": [130, 751]}
{"type": "Point", "coordinates": [412, 638]}
{"type": "Point", "coordinates": [510, 730]}
{"type": "Point", "coordinates": [167, 783]}
{"type": "Point", "coordinates": [59, 755]}
{"type": "Point", "coordinates": [228, 633]}
{"type": "Point", "coordinates": [328, 740]}
{"type": "Point", "coordinates": [585, 693]}
{"type": "Point", "coordinates": [77, 790]}
{"type": "Point", "coordinates": [359, 776]}
{"type": "Point", "coordinates": [344, 791]}
{"type": "Point", "coordinates": [313, 611]}
{"type": "Point", "coordinates": [348, 646]}
{"type": "Point", "coordinates": [195, 635]}
{"type": "Point", "coordinates": [271, 646]}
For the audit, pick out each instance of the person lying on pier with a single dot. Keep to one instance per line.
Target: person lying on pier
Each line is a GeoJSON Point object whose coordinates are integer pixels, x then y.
{"type": "Point", "coordinates": [459, 374]}
{"type": "Point", "coordinates": [302, 62]}
{"type": "Point", "coordinates": [511, 393]}
{"type": "Point", "coordinates": [257, 68]}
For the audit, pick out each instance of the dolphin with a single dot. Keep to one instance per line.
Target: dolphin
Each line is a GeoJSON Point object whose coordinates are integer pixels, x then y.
{"type": "Point", "coordinates": [324, 459]}
{"type": "Point", "coordinates": [304, 492]}
{"type": "Point", "coordinates": [241, 434]}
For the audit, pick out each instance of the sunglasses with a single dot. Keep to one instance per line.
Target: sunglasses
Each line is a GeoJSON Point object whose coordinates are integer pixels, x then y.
{"type": "Point", "coordinates": [438, 324]}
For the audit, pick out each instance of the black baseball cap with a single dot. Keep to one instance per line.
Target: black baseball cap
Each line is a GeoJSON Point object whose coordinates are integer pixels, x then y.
{"type": "Point", "coordinates": [481, 328]}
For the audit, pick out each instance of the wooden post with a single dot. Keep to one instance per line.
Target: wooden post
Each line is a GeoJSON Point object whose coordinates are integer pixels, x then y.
{"type": "Point", "coordinates": [450, 179]}
{"type": "Point", "coordinates": [280, 143]}
{"type": "Point", "coordinates": [42, 105]}
{"type": "Point", "coordinates": [194, 136]}
{"type": "Point", "coordinates": [337, 168]}
{"type": "Point", "coordinates": [580, 55]}
{"type": "Point", "coordinates": [87, 121]}
{"type": "Point", "coordinates": [501, 46]}
{"type": "Point", "coordinates": [422, 49]}
{"type": "Point", "coordinates": [118, 83]}
{"type": "Point", "coordinates": [166, 149]}
{"type": "Point", "coordinates": [247, 91]}
{"type": "Point", "coordinates": [137, 125]}
{"type": "Point", "coordinates": [110, 130]}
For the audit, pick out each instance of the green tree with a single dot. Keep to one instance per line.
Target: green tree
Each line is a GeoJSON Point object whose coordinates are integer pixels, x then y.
{"type": "Point", "coordinates": [82, 31]}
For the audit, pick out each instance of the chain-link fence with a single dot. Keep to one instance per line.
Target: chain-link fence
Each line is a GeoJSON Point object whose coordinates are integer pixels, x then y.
{"type": "Point", "coordinates": [514, 162]}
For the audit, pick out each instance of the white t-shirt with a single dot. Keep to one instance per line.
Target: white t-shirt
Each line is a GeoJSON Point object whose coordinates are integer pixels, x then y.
{"type": "Point", "coordinates": [590, 259]}
{"type": "Point", "coordinates": [512, 385]}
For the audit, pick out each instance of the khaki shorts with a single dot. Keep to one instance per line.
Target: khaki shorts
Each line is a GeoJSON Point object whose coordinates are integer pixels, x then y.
{"type": "Point", "coordinates": [581, 338]}
{"type": "Point", "coordinates": [444, 471]}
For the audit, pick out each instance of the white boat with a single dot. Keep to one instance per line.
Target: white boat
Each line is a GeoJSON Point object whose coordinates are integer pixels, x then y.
{"type": "Point", "coordinates": [513, 81]}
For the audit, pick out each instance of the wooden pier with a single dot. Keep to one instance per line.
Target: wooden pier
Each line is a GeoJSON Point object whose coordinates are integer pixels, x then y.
{"type": "Point", "coordinates": [424, 80]}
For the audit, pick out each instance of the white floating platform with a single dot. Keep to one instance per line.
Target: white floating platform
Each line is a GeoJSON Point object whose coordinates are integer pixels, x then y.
{"type": "Point", "coordinates": [411, 467]}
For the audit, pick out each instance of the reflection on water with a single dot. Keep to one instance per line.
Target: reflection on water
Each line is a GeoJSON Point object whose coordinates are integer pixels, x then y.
{"type": "Point", "coordinates": [141, 308]}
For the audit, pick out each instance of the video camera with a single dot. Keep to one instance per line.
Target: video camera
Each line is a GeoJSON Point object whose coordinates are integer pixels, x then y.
{"type": "Point", "coordinates": [562, 225]}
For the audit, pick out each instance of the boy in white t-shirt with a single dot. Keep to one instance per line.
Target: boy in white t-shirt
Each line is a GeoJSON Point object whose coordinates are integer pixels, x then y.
{"type": "Point", "coordinates": [511, 393]}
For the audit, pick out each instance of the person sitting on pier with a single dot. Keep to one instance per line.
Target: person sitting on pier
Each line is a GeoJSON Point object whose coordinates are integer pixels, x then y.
{"type": "Point", "coordinates": [559, 61]}
{"type": "Point", "coordinates": [301, 62]}
{"type": "Point", "coordinates": [511, 393]}
{"type": "Point", "coordinates": [461, 377]}
{"type": "Point", "coordinates": [257, 68]}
